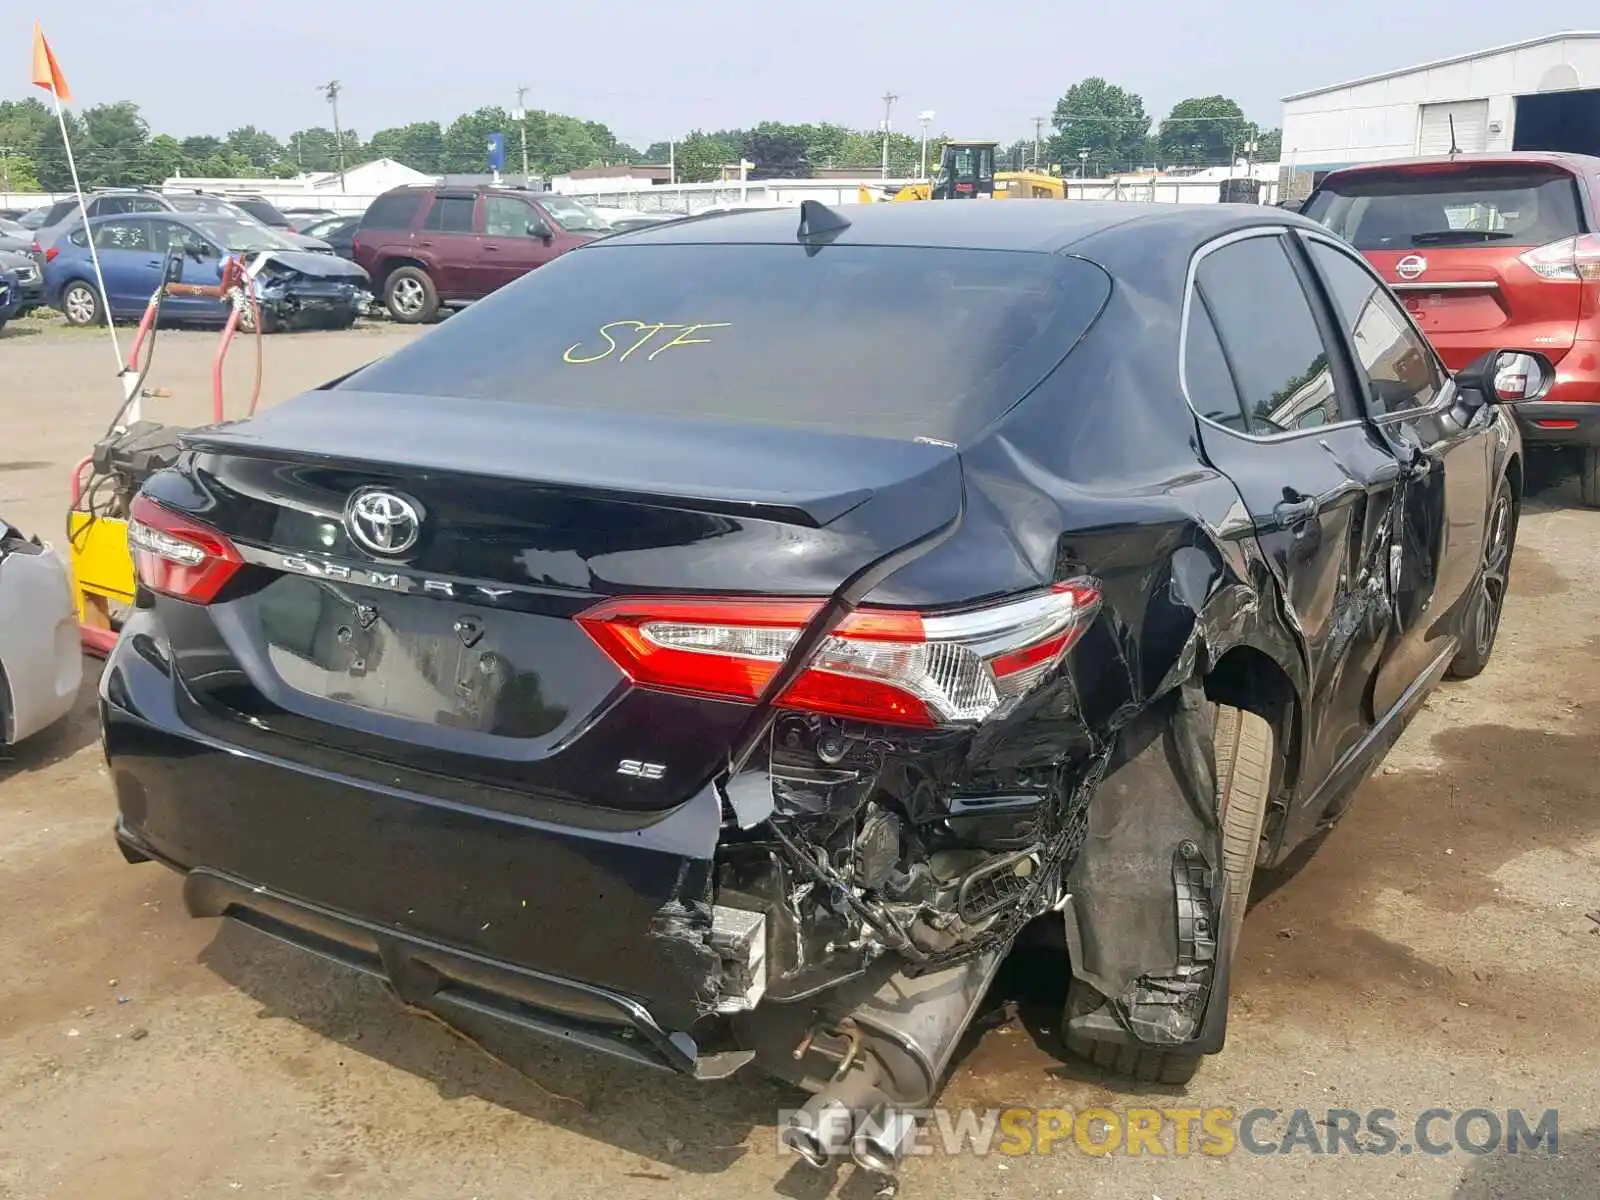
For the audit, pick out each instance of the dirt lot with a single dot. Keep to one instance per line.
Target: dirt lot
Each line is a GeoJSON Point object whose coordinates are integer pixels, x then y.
{"type": "Point", "coordinates": [1434, 953]}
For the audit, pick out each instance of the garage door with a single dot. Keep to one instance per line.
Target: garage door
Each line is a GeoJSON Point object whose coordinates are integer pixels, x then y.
{"type": "Point", "coordinates": [1471, 118]}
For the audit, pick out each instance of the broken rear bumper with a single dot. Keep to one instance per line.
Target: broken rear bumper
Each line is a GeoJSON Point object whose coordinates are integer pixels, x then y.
{"type": "Point", "coordinates": [598, 936]}
{"type": "Point", "coordinates": [447, 980]}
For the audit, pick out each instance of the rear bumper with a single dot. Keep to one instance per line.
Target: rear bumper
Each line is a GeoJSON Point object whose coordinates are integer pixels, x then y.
{"type": "Point", "coordinates": [1554, 422]}
{"type": "Point", "coordinates": [41, 665]}
{"type": "Point", "coordinates": [444, 979]}
{"type": "Point", "coordinates": [599, 937]}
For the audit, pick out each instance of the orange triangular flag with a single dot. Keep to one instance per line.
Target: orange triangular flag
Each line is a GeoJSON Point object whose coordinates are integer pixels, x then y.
{"type": "Point", "coordinates": [46, 71]}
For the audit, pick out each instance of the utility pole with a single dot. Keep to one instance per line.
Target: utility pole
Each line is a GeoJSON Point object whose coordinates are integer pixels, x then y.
{"type": "Point", "coordinates": [888, 106]}
{"type": "Point", "coordinates": [1038, 126]}
{"type": "Point", "coordinates": [672, 162]}
{"type": "Point", "coordinates": [521, 115]}
{"type": "Point", "coordinates": [331, 91]}
{"type": "Point", "coordinates": [926, 118]}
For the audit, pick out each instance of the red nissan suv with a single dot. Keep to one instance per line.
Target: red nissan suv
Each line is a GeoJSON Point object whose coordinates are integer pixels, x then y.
{"type": "Point", "coordinates": [1491, 251]}
{"type": "Point", "coordinates": [435, 247]}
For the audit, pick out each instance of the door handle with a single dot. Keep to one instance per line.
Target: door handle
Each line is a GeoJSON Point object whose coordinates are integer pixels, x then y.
{"type": "Point", "coordinates": [1290, 513]}
{"type": "Point", "coordinates": [487, 249]}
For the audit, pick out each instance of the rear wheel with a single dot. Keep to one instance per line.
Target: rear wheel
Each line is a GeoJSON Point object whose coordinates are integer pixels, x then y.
{"type": "Point", "coordinates": [80, 304]}
{"type": "Point", "coordinates": [1589, 476]}
{"type": "Point", "coordinates": [1243, 745]}
{"type": "Point", "coordinates": [1480, 624]}
{"type": "Point", "coordinates": [409, 295]}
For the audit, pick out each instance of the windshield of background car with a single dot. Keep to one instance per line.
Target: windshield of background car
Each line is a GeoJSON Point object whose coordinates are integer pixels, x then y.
{"type": "Point", "coordinates": [574, 216]}
{"type": "Point", "coordinates": [1470, 205]}
{"type": "Point", "coordinates": [233, 234]}
{"type": "Point", "coordinates": [897, 342]}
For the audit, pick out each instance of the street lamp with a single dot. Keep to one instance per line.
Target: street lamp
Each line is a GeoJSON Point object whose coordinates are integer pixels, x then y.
{"type": "Point", "coordinates": [1083, 162]}
{"type": "Point", "coordinates": [926, 117]}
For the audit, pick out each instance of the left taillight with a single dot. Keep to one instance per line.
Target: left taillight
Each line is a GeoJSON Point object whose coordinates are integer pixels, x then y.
{"type": "Point", "coordinates": [888, 666]}
{"type": "Point", "coordinates": [1570, 260]}
{"type": "Point", "coordinates": [178, 556]}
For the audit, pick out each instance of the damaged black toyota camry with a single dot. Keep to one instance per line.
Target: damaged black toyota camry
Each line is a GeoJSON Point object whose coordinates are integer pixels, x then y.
{"type": "Point", "coordinates": [718, 646]}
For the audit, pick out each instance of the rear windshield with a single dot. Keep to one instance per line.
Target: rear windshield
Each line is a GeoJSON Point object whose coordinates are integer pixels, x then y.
{"type": "Point", "coordinates": [1467, 207]}
{"type": "Point", "coordinates": [888, 341]}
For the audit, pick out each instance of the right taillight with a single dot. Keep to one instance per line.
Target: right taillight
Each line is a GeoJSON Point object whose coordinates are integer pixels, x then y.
{"type": "Point", "coordinates": [887, 666]}
{"type": "Point", "coordinates": [1571, 260]}
{"type": "Point", "coordinates": [177, 556]}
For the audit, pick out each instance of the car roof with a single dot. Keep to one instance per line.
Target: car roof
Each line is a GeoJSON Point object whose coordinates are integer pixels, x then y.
{"type": "Point", "coordinates": [1027, 225]}
{"type": "Point", "coordinates": [1577, 163]}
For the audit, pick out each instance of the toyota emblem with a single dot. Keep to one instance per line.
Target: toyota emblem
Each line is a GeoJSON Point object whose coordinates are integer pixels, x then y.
{"type": "Point", "coordinates": [1411, 266]}
{"type": "Point", "coordinates": [382, 522]}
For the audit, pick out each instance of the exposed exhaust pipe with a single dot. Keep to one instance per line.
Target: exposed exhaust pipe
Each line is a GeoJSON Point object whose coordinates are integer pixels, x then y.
{"type": "Point", "coordinates": [907, 1029]}
{"type": "Point", "coordinates": [882, 1139]}
{"type": "Point", "coordinates": [823, 1128]}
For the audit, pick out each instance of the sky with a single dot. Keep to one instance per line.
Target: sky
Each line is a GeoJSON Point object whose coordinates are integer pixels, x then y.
{"type": "Point", "coordinates": [655, 69]}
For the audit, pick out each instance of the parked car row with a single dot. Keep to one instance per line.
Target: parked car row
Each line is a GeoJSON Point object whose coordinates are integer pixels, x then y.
{"type": "Point", "coordinates": [297, 288]}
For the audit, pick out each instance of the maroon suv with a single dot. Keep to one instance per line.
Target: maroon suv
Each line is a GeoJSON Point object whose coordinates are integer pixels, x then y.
{"type": "Point", "coordinates": [435, 247]}
{"type": "Point", "coordinates": [1492, 251]}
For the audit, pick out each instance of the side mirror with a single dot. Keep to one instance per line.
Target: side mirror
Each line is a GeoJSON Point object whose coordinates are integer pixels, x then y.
{"type": "Point", "coordinates": [173, 272]}
{"type": "Point", "coordinates": [1507, 376]}
{"type": "Point", "coordinates": [540, 230]}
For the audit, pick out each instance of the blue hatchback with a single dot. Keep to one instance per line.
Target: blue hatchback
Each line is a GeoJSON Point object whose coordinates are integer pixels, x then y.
{"type": "Point", "coordinates": [134, 248]}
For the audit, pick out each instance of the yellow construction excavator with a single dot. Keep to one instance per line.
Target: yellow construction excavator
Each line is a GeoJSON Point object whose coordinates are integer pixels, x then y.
{"type": "Point", "coordinates": [966, 172]}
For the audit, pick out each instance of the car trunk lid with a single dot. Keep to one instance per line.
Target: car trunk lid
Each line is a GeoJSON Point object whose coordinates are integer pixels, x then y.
{"type": "Point", "coordinates": [458, 657]}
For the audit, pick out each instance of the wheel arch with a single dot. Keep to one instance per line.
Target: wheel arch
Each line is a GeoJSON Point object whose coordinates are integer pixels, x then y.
{"type": "Point", "coordinates": [388, 266]}
{"type": "Point", "coordinates": [1248, 678]}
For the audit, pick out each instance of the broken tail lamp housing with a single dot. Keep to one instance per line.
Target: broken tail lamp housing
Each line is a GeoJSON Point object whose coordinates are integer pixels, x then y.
{"type": "Point", "coordinates": [885, 666]}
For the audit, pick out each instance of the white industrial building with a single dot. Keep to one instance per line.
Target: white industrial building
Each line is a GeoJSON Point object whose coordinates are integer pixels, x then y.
{"type": "Point", "coordinates": [1542, 94]}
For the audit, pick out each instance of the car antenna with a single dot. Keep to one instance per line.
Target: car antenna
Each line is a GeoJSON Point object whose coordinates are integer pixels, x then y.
{"type": "Point", "coordinates": [817, 219]}
{"type": "Point", "coordinates": [1454, 149]}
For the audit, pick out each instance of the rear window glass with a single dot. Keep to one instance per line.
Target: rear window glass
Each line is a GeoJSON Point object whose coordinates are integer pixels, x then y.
{"type": "Point", "coordinates": [396, 210]}
{"type": "Point", "coordinates": [451, 214]}
{"type": "Point", "coordinates": [1413, 210]}
{"type": "Point", "coordinates": [888, 341]}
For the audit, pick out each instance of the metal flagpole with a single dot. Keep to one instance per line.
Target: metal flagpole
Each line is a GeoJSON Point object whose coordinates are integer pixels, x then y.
{"type": "Point", "coordinates": [130, 377]}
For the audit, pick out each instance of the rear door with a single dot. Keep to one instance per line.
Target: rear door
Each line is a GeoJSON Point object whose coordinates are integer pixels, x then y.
{"type": "Point", "coordinates": [449, 240]}
{"type": "Point", "coordinates": [1265, 369]}
{"type": "Point", "coordinates": [129, 261]}
{"type": "Point", "coordinates": [1449, 451]}
{"type": "Point", "coordinates": [1480, 252]}
{"type": "Point", "coordinates": [510, 248]}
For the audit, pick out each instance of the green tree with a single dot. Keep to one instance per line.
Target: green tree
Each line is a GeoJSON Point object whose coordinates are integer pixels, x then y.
{"type": "Point", "coordinates": [316, 149]}
{"type": "Point", "coordinates": [1203, 130]}
{"type": "Point", "coordinates": [50, 163]}
{"type": "Point", "coordinates": [260, 150]}
{"type": "Point", "coordinates": [777, 151]}
{"type": "Point", "coordinates": [657, 153]}
{"type": "Point", "coordinates": [701, 157]}
{"type": "Point", "coordinates": [418, 145]}
{"type": "Point", "coordinates": [17, 174]}
{"type": "Point", "coordinates": [1269, 146]}
{"type": "Point", "coordinates": [23, 125]}
{"type": "Point", "coordinates": [1108, 121]}
{"type": "Point", "coordinates": [465, 147]}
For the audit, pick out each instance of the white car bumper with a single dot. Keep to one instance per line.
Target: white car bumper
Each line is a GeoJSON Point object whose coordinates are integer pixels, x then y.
{"type": "Point", "coordinates": [41, 659]}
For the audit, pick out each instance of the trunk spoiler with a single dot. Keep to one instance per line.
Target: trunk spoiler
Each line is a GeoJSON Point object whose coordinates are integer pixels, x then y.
{"type": "Point", "coordinates": [796, 476]}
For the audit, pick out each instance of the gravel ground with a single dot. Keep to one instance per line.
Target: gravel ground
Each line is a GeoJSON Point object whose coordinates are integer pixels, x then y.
{"type": "Point", "coordinates": [1433, 953]}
